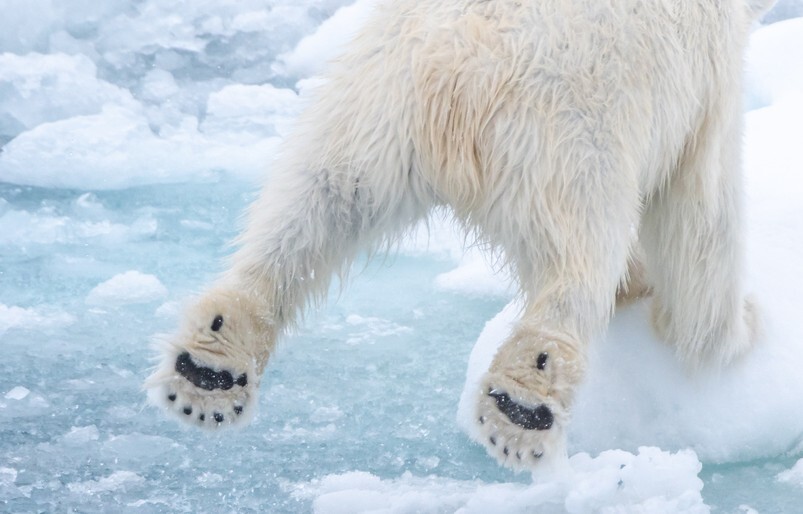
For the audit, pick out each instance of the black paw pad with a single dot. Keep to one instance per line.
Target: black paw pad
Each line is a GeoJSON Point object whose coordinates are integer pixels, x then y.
{"type": "Point", "coordinates": [171, 397]}
{"type": "Point", "coordinates": [187, 410]}
{"type": "Point", "coordinates": [238, 409]}
{"type": "Point", "coordinates": [202, 417]}
{"type": "Point", "coordinates": [206, 378]}
{"type": "Point", "coordinates": [218, 417]}
{"type": "Point", "coordinates": [539, 418]}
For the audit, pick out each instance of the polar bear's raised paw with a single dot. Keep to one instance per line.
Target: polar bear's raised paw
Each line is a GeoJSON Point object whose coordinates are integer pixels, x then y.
{"type": "Point", "coordinates": [202, 395]}
{"type": "Point", "coordinates": [210, 370]}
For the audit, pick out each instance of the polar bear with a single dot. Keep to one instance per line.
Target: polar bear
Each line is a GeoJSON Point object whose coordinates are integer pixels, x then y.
{"type": "Point", "coordinates": [570, 135]}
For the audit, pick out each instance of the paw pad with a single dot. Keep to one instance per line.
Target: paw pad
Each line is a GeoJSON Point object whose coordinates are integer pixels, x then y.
{"type": "Point", "coordinates": [538, 418]}
{"type": "Point", "coordinates": [207, 378]}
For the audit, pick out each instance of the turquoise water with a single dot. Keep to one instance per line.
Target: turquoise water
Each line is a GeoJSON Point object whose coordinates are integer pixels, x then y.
{"type": "Point", "coordinates": [370, 383]}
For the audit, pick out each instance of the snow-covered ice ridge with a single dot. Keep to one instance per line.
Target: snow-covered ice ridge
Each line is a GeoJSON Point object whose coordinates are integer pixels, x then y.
{"type": "Point", "coordinates": [122, 94]}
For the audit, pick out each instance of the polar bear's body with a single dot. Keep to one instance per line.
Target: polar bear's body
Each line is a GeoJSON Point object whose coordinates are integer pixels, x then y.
{"type": "Point", "coordinates": [560, 133]}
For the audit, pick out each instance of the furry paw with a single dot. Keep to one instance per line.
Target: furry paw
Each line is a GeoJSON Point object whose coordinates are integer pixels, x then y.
{"type": "Point", "coordinates": [523, 404]}
{"type": "Point", "coordinates": [203, 395]}
{"type": "Point", "coordinates": [209, 372]}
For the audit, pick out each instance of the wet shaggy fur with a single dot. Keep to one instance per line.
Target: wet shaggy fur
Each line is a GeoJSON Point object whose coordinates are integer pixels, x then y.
{"type": "Point", "coordinates": [562, 133]}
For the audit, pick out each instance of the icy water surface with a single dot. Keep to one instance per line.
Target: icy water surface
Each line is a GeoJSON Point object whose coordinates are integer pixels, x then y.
{"type": "Point", "coordinates": [370, 384]}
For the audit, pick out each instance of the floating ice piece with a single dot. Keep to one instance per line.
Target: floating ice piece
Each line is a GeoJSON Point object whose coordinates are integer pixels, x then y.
{"type": "Point", "coordinates": [313, 52]}
{"type": "Point", "coordinates": [114, 482]}
{"type": "Point", "coordinates": [32, 318]}
{"type": "Point", "coordinates": [652, 481]}
{"type": "Point", "coordinates": [81, 435]}
{"type": "Point", "coordinates": [125, 288]}
{"type": "Point", "coordinates": [17, 393]}
{"type": "Point", "coordinates": [39, 88]}
{"type": "Point", "coordinates": [794, 475]}
{"type": "Point", "coordinates": [253, 112]}
{"type": "Point", "coordinates": [475, 276]}
{"type": "Point", "coordinates": [117, 148]}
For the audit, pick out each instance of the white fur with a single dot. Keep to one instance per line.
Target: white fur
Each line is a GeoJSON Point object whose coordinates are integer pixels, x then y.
{"type": "Point", "coordinates": [560, 133]}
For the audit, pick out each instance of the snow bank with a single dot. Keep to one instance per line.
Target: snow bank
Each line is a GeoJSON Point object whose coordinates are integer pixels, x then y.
{"type": "Point", "coordinates": [774, 67]}
{"type": "Point", "coordinates": [650, 481]}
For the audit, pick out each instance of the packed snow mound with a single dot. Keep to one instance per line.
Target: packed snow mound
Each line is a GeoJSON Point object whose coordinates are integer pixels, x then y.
{"type": "Point", "coordinates": [637, 393]}
{"type": "Point", "coordinates": [775, 62]}
{"type": "Point", "coordinates": [651, 481]}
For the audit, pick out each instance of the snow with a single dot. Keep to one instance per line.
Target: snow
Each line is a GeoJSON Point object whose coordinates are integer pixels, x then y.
{"type": "Point", "coordinates": [131, 136]}
{"type": "Point", "coordinates": [129, 287]}
{"type": "Point", "coordinates": [650, 481]}
{"type": "Point", "coordinates": [771, 74]}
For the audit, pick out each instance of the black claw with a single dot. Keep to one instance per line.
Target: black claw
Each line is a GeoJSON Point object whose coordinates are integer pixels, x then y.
{"type": "Point", "coordinates": [506, 451]}
{"type": "Point", "coordinates": [518, 455]}
{"type": "Point", "coordinates": [187, 410]}
{"type": "Point", "coordinates": [218, 417]}
{"type": "Point", "coordinates": [202, 416]}
{"type": "Point", "coordinates": [482, 420]}
{"type": "Point", "coordinates": [493, 440]}
{"type": "Point", "coordinates": [238, 409]}
{"type": "Point", "coordinates": [538, 455]}
{"type": "Point", "coordinates": [539, 418]}
{"type": "Point", "coordinates": [171, 397]}
{"type": "Point", "coordinates": [206, 378]}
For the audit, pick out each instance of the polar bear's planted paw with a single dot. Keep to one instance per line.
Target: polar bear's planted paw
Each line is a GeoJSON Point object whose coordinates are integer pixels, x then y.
{"type": "Point", "coordinates": [518, 431]}
{"type": "Point", "coordinates": [523, 402]}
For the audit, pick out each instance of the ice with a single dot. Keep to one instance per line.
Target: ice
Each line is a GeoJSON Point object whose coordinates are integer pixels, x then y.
{"type": "Point", "coordinates": [250, 112]}
{"type": "Point", "coordinates": [616, 481]}
{"type": "Point", "coordinates": [81, 435]}
{"type": "Point", "coordinates": [793, 476]}
{"type": "Point", "coordinates": [312, 53]}
{"type": "Point", "coordinates": [17, 393]}
{"type": "Point", "coordinates": [129, 287]}
{"type": "Point", "coordinates": [475, 276]}
{"type": "Point", "coordinates": [45, 88]}
{"type": "Point", "coordinates": [114, 482]}
{"type": "Point", "coordinates": [30, 318]}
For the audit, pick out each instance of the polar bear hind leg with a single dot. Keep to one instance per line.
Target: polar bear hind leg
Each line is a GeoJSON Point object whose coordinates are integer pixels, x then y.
{"type": "Point", "coordinates": [692, 237]}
